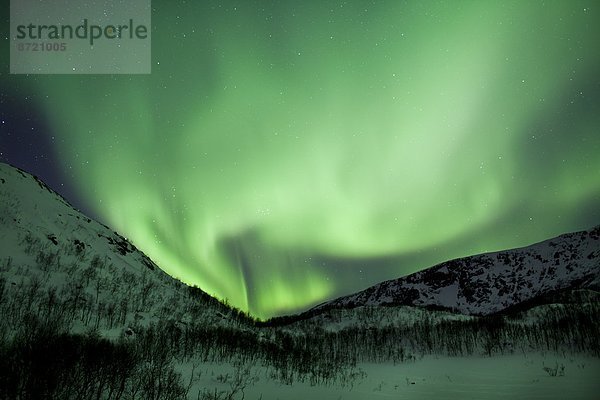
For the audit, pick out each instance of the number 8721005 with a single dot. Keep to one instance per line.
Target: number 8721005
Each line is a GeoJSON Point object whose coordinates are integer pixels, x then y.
{"type": "Point", "coordinates": [41, 46]}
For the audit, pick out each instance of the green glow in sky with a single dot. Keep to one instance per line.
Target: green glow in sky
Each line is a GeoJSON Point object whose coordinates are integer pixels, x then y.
{"type": "Point", "coordinates": [283, 153]}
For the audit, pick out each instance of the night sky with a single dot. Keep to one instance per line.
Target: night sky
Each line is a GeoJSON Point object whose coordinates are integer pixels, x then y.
{"type": "Point", "coordinates": [283, 153]}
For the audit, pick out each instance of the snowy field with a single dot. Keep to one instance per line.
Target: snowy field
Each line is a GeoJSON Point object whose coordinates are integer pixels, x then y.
{"type": "Point", "coordinates": [501, 377]}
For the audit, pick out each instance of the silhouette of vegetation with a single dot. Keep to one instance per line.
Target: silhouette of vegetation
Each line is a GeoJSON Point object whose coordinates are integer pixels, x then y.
{"type": "Point", "coordinates": [40, 362]}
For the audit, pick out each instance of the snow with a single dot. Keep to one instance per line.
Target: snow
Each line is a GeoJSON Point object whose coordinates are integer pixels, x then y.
{"type": "Point", "coordinates": [447, 294]}
{"type": "Point", "coordinates": [489, 283]}
{"type": "Point", "coordinates": [92, 260]}
{"type": "Point", "coordinates": [441, 378]}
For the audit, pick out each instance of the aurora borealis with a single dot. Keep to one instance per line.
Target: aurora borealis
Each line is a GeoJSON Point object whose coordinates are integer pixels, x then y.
{"type": "Point", "coordinates": [283, 153]}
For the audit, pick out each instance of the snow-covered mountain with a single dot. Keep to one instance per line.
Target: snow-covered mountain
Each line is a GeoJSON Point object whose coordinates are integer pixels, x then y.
{"type": "Point", "coordinates": [55, 260]}
{"type": "Point", "coordinates": [490, 283]}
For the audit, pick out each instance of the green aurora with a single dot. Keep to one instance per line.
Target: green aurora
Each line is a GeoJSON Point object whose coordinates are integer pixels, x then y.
{"type": "Point", "coordinates": [283, 153]}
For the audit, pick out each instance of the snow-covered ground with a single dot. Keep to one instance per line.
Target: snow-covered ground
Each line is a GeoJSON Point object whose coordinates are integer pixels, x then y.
{"type": "Point", "coordinates": [444, 378]}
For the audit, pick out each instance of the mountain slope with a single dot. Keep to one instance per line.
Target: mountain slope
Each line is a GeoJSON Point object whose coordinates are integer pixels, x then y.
{"type": "Point", "coordinates": [51, 253]}
{"type": "Point", "coordinates": [490, 283]}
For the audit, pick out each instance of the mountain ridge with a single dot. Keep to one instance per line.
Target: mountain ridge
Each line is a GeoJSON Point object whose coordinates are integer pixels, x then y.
{"type": "Point", "coordinates": [489, 283]}
{"type": "Point", "coordinates": [50, 248]}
